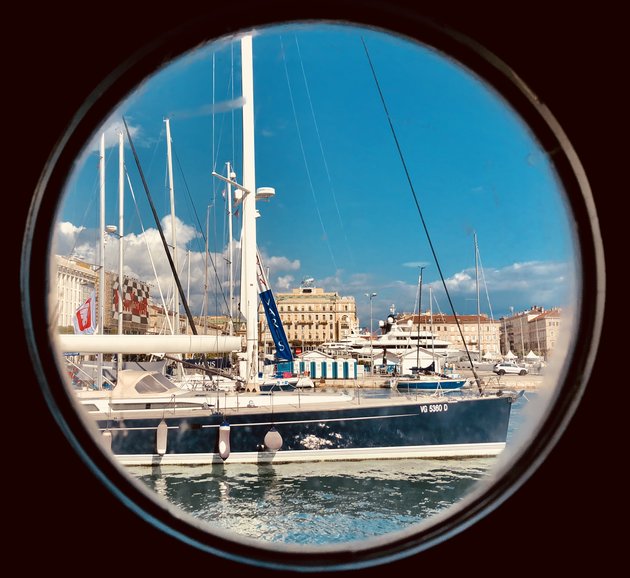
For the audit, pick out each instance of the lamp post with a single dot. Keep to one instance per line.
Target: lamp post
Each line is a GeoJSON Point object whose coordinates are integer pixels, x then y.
{"type": "Point", "coordinates": [371, 296]}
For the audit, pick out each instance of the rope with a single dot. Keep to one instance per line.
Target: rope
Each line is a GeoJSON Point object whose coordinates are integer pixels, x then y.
{"type": "Point", "coordinates": [415, 198]}
{"type": "Point", "coordinates": [308, 172]}
{"type": "Point", "coordinates": [144, 236]}
{"type": "Point", "coordinates": [321, 148]}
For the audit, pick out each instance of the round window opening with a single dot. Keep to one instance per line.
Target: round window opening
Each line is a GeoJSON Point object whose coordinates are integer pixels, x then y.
{"type": "Point", "coordinates": [315, 290]}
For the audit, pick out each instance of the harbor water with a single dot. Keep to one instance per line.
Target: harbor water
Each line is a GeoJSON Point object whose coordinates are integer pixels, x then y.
{"type": "Point", "coordinates": [324, 502]}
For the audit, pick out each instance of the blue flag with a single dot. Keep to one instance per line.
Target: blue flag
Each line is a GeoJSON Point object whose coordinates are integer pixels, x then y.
{"type": "Point", "coordinates": [283, 350]}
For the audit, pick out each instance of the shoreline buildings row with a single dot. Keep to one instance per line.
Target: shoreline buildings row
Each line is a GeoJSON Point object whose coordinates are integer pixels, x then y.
{"type": "Point", "coordinates": [310, 315]}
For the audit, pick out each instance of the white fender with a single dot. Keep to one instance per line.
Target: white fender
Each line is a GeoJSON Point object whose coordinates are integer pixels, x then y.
{"type": "Point", "coordinates": [273, 440]}
{"type": "Point", "coordinates": [106, 440]}
{"type": "Point", "coordinates": [160, 438]}
{"type": "Point", "coordinates": [224, 440]}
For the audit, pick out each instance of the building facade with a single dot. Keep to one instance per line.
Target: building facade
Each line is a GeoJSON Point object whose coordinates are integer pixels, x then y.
{"type": "Point", "coordinates": [476, 330]}
{"type": "Point", "coordinates": [534, 330]}
{"type": "Point", "coordinates": [310, 316]}
{"type": "Point", "coordinates": [75, 281]}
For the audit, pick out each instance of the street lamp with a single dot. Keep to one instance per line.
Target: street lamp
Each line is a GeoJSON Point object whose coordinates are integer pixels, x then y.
{"type": "Point", "coordinates": [371, 296]}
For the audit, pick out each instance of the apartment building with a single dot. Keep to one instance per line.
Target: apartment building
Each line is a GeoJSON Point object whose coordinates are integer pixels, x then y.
{"type": "Point", "coordinates": [311, 316]}
{"type": "Point", "coordinates": [534, 330]}
{"type": "Point", "coordinates": [476, 330]}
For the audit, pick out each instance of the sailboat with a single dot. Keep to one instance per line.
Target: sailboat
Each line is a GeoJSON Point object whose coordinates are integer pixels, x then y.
{"type": "Point", "coordinates": [430, 377]}
{"type": "Point", "coordinates": [146, 420]}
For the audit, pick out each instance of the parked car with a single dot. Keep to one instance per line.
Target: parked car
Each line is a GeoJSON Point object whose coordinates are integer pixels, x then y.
{"type": "Point", "coordinates": [504, 367]}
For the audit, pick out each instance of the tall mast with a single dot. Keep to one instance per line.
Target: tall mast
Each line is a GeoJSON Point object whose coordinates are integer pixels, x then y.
{"type": "Point", "coordinates": [478, 310]}
{"type": "Point", "coordinates": [173, 223]}
{"type": "Point", "coordinates": [230, 175]}
{"type": "Point", "coordinates": [419, 312]}
{"type": "Point", "coordinates": [431, 322]}
{"type": "Point", "coordinates": [101, 270]}
{"type": "Point", "coordinates": [121, 208]}
{"type": "Point", "coordinates": [249, 293]}
{"type": "Point", "coordinates": [205, 284]}
{"type": "Point", "coordinates": [188, 278]}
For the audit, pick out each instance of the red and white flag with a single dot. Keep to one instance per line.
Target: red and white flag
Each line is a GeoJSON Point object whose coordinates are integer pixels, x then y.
{"type": "Point", "coordinates": [84, 319]}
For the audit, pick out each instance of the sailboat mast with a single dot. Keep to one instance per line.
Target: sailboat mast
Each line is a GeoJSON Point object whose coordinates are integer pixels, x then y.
{"type": "Point", "coordinates": [419, 313]}
{"type": "Point", "coordinates": [431, 325]}
{"type": "Point", "coordinates": [121, 209]}
{"type": "Point", "coordinates": [249, 292]}
{"type": "Point", "coordinates": [188, 279]}
{"type": "Point", "coordinates": [230, 175]}
{"type": "Point", "coordinates": [101, 270]}
{"type": "Point", "coordinates": [173, 223]}
{"type": "Point", "coordinates": [205, 283]}
{"type": "Point", "coordinates": [478, 310]}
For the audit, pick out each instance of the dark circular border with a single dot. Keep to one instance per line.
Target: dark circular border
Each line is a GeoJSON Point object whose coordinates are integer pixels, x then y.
{"type": "Point", "coordinates": [34, 275]}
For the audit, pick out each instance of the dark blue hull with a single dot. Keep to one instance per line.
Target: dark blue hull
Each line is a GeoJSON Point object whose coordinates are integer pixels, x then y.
{"type": "Point", "coordinates": [441, 427]}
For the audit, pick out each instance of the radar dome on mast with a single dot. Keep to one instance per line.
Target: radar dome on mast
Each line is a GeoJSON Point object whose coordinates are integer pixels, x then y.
{"type": "Point", "coordinates": [265, 193]}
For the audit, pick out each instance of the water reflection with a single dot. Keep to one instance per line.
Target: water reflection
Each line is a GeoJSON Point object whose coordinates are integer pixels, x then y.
{"type": "Point", "coordinates": [329, 502]}
{"type": "Point", "coordinates": [319, 503]}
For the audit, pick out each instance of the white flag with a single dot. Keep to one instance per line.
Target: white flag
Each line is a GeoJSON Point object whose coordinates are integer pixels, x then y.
{"type": "Point", "coordinates": [84, 319]}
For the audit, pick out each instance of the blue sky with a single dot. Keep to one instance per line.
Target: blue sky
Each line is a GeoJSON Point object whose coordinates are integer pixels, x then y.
{"type": "Point", "coordinates": [343, 212]}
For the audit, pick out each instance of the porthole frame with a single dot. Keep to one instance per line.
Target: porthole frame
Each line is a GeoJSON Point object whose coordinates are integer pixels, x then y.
{"type": "Point", "coordinates": [35, 275]}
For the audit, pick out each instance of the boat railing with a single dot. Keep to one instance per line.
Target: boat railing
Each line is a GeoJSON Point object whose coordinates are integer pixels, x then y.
{"type": "Point", "coordinates": [82, 380]}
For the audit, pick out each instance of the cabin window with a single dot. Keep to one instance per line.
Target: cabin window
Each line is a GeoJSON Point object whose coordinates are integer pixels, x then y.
{"type": "Point", "coordinates": [90, 407]}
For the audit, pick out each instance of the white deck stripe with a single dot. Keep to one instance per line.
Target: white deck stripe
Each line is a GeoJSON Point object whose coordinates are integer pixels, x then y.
{"type": "Point", "coordinates": [293, 456]}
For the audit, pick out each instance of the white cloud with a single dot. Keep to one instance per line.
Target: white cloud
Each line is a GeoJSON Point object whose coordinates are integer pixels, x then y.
{"type": "Point", "coordinates": [415, 264]}
{"type": "Point", "coordinates": [144, 258]}
{"type": "Point", "coordinates": [519, 285]}
{"type": "Point", "coordinates": [66, 238]}
{"type": "Point", "coordinates": [281, 263]}
{"type": "Point", "coordinates": [285, 283]}
{"type": "Point", "coordinates": [112, 128]}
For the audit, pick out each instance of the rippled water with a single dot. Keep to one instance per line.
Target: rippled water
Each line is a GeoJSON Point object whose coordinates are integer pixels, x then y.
{"type": "Point", "coordinates": [319, 503]}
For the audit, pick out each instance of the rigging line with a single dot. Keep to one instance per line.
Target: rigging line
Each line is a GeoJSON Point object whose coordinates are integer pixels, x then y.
{"type": "Point", "coordinates": [415, 198]}
{"type": "Point", "coordinates": [144, 236]}
{"type": "Point", "coordinates": [485, 285]}
{"type": "Point", "coordinates": [191, 203]}
{"type": "Point", "coordinates": [216, 244]}
{"type": "Point", "coordinates": [220, 140]}
{"type": "Point", "coordinates": [213, 104]}
{"type": "Point", "coordinates": [232, 89]}
{"type": "Point", "coordinates": [321, 148]}
{"type": "Point", "coordinates": [216, 141]}
{"type": "Point", "coordinates": [159, 226]}
{"type": "Point", "coordinates": [82, 227]}
{"type": "Point", "coordinates": [308, 173]}
{"type": "Point", "coordinates": [194, 210]}
{"type": "Point", "coordinates": [438, 306]}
